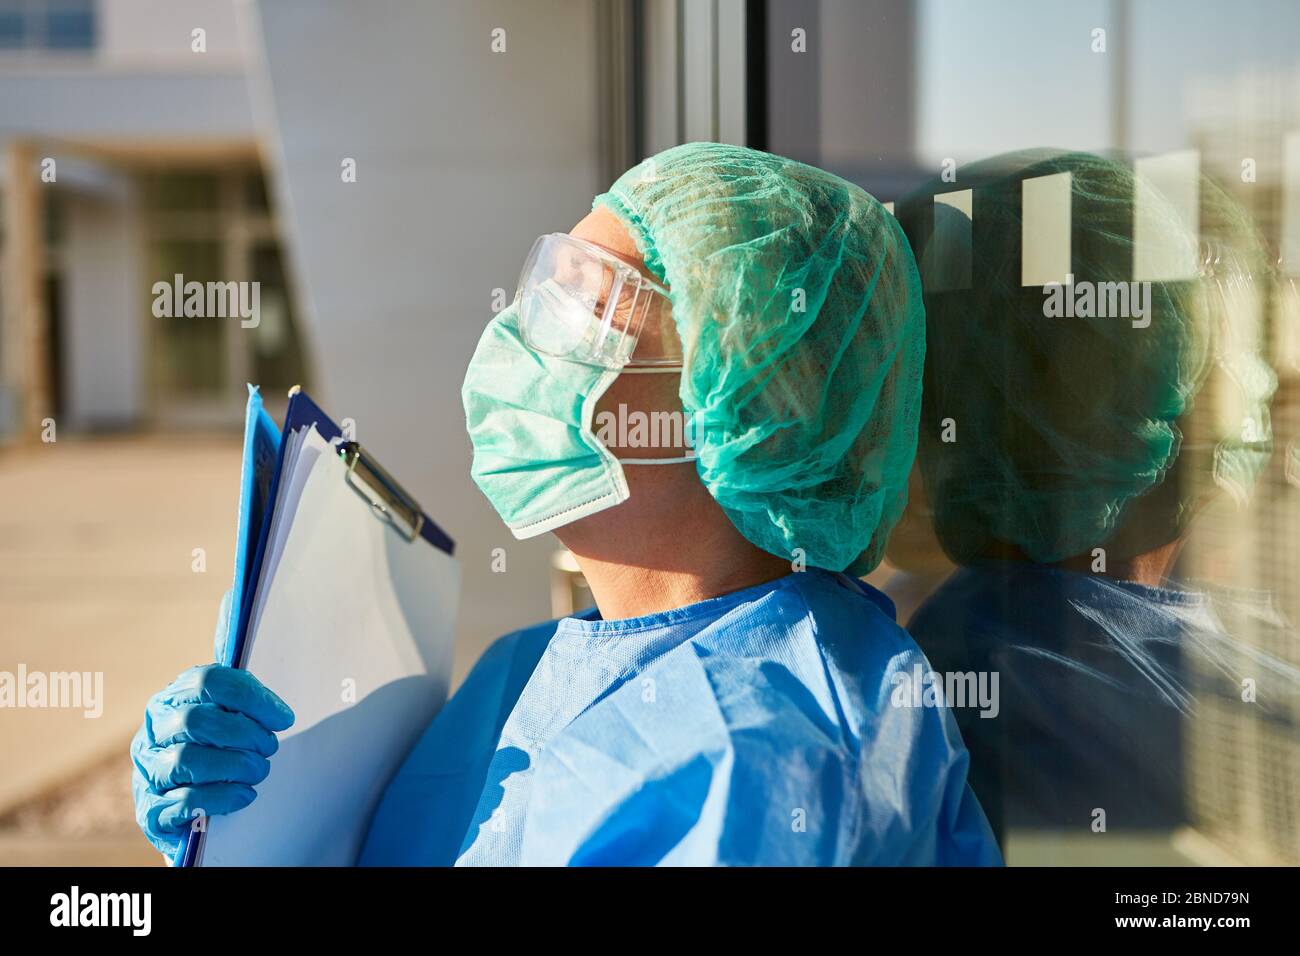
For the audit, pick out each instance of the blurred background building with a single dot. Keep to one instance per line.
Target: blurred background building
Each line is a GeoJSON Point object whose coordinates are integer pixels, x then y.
{"type": "Point", "coordinates": [381, 170]}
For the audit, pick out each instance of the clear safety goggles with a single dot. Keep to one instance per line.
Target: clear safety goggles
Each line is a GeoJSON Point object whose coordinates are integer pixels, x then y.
{"type": "Point", "coordinates": [580, 302]}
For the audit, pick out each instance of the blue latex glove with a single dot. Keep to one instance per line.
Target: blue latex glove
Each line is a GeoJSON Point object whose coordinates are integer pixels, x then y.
{"type": "Point", "coordinates": [202, 748]}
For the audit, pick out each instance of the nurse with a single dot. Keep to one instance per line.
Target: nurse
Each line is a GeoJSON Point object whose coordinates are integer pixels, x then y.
{"type": "Point", "coordinates": [729, 700]}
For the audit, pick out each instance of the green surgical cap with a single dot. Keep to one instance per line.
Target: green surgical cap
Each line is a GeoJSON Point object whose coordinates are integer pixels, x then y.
{"type": "Point", "coordinates": [1055, 433]}
{"type": "Point", "coordinates": [799, 308]}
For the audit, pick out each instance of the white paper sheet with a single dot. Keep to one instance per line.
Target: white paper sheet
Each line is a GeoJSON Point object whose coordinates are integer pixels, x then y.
{"type": "Point", "coordinates": [353, 627]}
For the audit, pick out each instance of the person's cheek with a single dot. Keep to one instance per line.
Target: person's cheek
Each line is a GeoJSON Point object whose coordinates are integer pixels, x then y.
{"type": "Point", "coordinates": [642, 417]}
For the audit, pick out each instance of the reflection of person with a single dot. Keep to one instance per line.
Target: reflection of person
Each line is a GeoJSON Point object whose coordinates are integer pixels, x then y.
{"type": "Point", "coordinates": [1063, 459]}
{"type": "Point", "coordinates": [714, 707]}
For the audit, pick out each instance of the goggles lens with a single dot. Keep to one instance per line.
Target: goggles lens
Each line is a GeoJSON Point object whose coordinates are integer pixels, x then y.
{"type": "Point", "coordinates": [580, 302]}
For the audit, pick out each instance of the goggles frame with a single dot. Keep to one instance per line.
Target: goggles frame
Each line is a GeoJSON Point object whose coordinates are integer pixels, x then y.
{"type": "Point", "coordinates": [619, 310]}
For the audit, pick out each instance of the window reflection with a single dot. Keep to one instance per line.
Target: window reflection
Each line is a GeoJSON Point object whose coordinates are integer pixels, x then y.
{"type": "Point", "coordinates": [1111, 521]}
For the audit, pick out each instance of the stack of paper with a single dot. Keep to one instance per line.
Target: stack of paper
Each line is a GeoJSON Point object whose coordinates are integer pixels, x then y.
{"type": "Point", "coordinates": [352, 625]}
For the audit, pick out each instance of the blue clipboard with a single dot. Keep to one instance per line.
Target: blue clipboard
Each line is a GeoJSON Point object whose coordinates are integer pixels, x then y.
{"type": "Point", "coordinates": [263, 463]}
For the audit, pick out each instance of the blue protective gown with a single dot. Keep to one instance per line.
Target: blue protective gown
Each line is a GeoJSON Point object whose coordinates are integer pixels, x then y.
{"type": "Point", "coordinates": [752, 728]}
{"type": "Point", "coordinates": [1101, 685]}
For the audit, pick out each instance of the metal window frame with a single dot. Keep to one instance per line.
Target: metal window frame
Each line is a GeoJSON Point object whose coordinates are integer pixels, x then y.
{"type": "Point", "coordinates": [702, 72]}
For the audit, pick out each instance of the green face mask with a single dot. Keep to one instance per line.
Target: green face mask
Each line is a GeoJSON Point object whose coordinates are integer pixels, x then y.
{"type": "Point", "coordinates": [529, 417]}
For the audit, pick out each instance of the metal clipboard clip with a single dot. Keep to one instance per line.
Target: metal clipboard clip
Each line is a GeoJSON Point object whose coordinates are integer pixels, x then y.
{"type": "Point", "coordinates": [386, 497]}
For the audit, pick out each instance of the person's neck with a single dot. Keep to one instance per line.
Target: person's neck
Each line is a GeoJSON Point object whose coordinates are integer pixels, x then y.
{"type": "Point", "coordinates": [625, 590]}
{"type": "Point", "coordinates": [641, 558]}
{"type": "Point", "coordinates": [1151, 568]}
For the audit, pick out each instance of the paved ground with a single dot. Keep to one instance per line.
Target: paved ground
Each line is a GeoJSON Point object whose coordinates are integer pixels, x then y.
{"type": "Point", "coordinates": [96, 543]}
{"type": "Point", "coordinates": [86, 820]}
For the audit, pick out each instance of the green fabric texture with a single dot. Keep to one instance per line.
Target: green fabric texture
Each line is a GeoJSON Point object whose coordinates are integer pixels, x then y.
{"type": "Point", "coordinates": [799, 308]}
{"type": "Point", "coordinates": [1060, 434]}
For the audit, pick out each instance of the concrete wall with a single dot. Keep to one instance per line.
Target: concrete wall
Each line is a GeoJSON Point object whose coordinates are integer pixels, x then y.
{"type": "Point", "coordinates": [126, 106]}
{"type": "Point", "coordinates": [463, 157]}
{"type": "Point", "coordinates": [157, 33]}
{"type": "Point", "coordinates": [141, 81]}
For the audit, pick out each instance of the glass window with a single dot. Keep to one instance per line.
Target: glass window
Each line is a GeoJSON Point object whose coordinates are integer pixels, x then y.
{"type": "Point", "coordinates": [70, 26]}
{"type": "Point", "coordinates": [256, 198]}
{"type": "Point", "coordinates": [1106, 504]}
{"type": "Point", "coordinates": [56, 25]}
{"type": "Point", "coordinates": [185, 192]}
{"type": "Point", "coordinates": [213, 226]}
{"type": "Point", "coordinates": [189, 353]}
{"type": "Point", "coordinates": [13, 27]}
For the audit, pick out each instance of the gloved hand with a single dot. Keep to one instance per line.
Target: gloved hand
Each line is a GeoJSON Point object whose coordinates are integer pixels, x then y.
{"type": "Point", "coordinates": [203, 746]}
